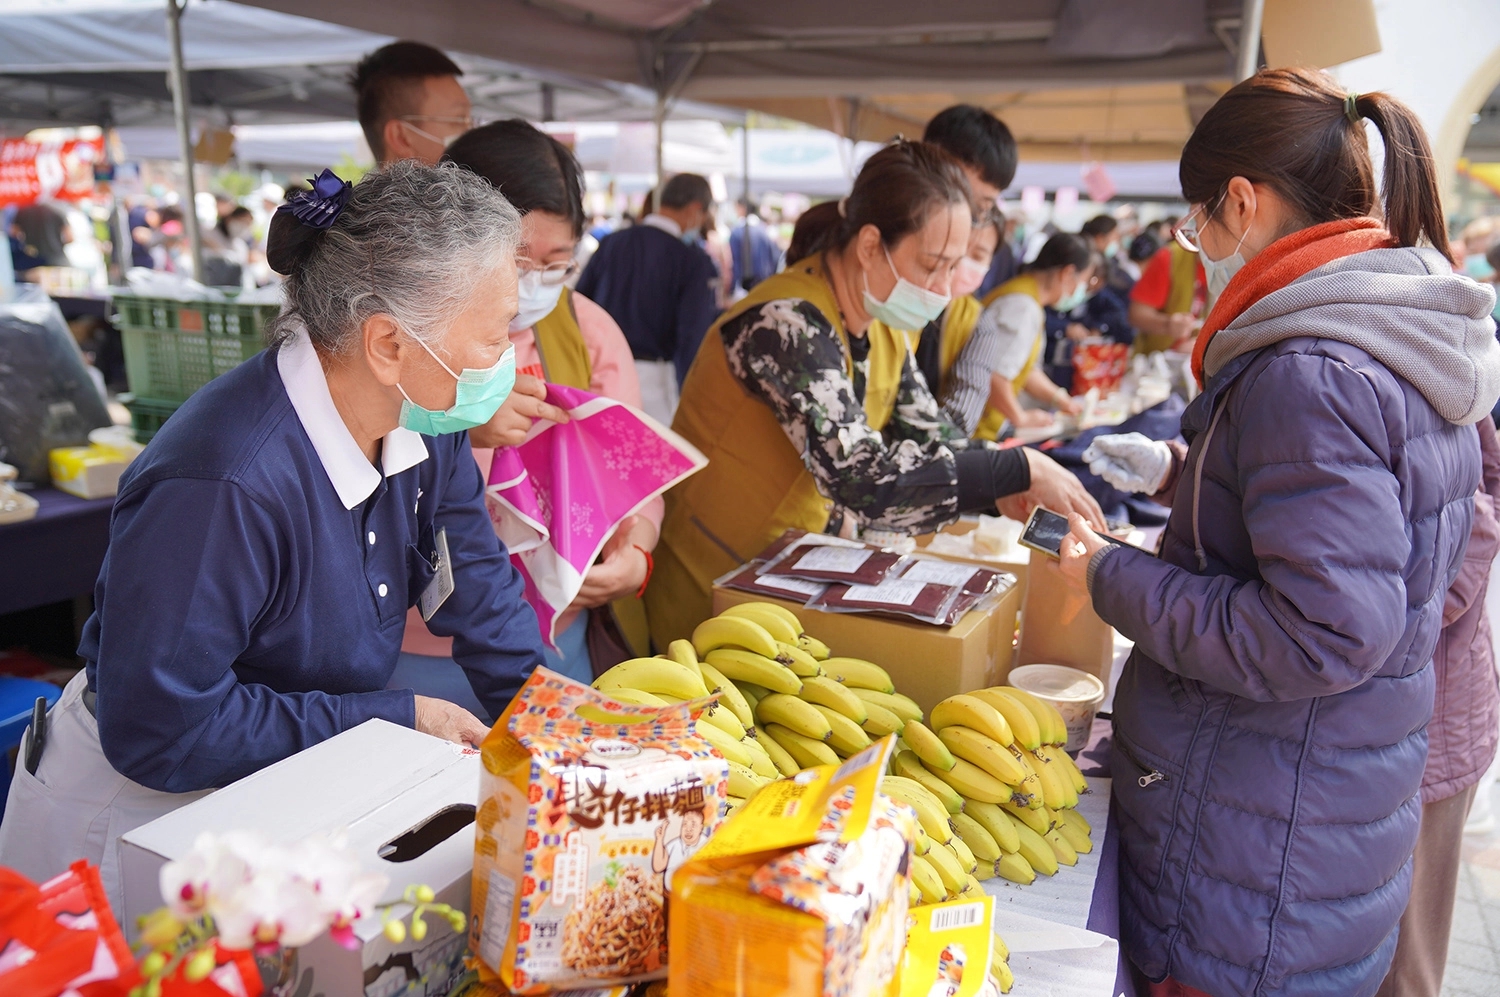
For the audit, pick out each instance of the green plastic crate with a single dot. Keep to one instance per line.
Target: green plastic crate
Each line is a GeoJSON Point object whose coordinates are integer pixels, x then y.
{"type": "Point", "coordinates": [147, 416]}
{"type": "Point", "coordinates": [173, 348]}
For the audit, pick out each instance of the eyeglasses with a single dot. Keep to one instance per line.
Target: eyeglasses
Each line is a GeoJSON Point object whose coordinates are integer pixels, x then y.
{"type": "Point", "coordinates": [550, 275]}
{"type": "Point", "coordinates": [1187, 234]}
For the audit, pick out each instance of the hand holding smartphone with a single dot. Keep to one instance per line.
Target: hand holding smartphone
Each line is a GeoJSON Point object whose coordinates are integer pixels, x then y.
{"type": "Point", "coordinates": [1046, 529]}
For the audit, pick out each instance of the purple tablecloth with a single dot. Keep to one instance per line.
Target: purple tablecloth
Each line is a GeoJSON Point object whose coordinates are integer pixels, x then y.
{"type": "Point", "coordinates": [56, 555]}
{"type": "Point", "coordinates": [1104, 909]}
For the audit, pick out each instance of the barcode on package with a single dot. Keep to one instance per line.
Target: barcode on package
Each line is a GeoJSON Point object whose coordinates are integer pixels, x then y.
{"type": "Point", "coordinates": [499, 908]}
{"type": "Point", "coordinates": [953, 918]}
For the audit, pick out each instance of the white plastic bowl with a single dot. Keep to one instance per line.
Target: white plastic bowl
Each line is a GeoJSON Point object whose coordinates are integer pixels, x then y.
{"type": "Point", "coordinates": [1076, 694]}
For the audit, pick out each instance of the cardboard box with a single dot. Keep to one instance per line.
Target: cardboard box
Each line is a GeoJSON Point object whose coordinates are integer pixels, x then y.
{"type": "Point", "coordinates": [927, 663]}
{"type": "Point", "coordinates": [88, 472]}
{"type": "Point", "coordinates": [407, 801]}
{"type": "Point", "coordinates": [1059, 625]}
{"type": "Point", "coordinates": [1015, 559]}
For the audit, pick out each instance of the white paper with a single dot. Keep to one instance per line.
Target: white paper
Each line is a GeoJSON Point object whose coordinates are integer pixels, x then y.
{"type": "Point", "coordinates": [1067, 896]}
{"type": "Point", "coordinates": [892, 591]}
{"type": "Point", "coordinates": [839, 560]}
{"type": "Point", "coordinates": [783, 583]}
{"type": "Point", "coordinates": [1054, 960]}
{"type": "Point", "coordinates": [942, 572]}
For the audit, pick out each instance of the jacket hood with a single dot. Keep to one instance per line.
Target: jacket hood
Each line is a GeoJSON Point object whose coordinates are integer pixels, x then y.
{"type": "Point", "coordinates": [1405, 307]}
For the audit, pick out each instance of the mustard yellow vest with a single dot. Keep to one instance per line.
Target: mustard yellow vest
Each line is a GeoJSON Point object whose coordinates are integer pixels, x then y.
{"type": "Point", "coordinates": [756, 484]}
{"type": "Point", "coordinates": [959, 319]}
{"type": "Point", "coordinates": [956, 335]}
{"type": "Point", "coordinates": [1179, 298]}
{"type": "Point", "coordinates": [565, 360]}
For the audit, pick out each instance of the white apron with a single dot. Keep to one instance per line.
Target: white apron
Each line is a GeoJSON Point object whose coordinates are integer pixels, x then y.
{"type": "Point", "coordinates": [77, 805]}
{"type": "Point", "coordinates": [658, 389]}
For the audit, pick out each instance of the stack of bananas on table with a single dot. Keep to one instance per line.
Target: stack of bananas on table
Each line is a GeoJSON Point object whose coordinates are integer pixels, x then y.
{"type": "Point", "coordinates": [993, 790]}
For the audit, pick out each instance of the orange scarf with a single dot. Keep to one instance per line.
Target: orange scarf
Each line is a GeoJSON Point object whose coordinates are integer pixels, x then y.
{"type": "Point", "coordinates": [1282, 262]}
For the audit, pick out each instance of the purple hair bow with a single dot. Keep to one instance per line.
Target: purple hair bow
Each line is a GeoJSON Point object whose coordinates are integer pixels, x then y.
{"type": "Point", "coordinates": [319, 207]}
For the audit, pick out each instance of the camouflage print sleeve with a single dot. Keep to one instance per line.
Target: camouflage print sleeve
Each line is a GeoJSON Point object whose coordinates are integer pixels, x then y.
{"type": "Point", "coordinates": [917, 416]}
{"type": "Point", "coordinates": [787, 354]}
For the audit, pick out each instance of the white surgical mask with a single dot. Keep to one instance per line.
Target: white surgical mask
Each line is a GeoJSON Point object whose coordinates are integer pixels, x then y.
{"type": "Point", "coordinates": [967, 278]}
{"type": "Point", "coordinates": [536, 299]}
{"type": "Point", "coordinates": [908, 307]}
{"type": "Point", "coordinates": [1218, 273]}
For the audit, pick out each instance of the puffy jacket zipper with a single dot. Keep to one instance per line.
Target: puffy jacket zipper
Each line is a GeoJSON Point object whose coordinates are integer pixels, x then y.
{"type": "Point", "coordinates": [1153, 775]}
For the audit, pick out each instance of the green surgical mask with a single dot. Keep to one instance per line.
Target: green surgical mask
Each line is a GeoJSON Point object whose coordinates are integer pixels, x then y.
{"type": "Point", "coordinates": [480, 394]}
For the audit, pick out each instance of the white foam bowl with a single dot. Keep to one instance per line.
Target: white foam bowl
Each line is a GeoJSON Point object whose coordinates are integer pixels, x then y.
{"type": "Point", "coordinates": [1076, 694]}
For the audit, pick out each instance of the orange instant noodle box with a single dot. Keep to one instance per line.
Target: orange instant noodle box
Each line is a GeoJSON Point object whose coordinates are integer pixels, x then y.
{"type": "Point", "coordinates": [587, 806]}
{"type": "Point", "coordinates": [802, 892]}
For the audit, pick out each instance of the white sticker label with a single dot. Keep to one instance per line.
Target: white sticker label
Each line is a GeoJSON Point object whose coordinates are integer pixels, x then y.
{"type": "Point", "coordinates": [941, 572]}
{"type": "Point", "coordinates": [499, 907]}
{"type": "Point", "coordinates": [892, 591]}
{"type": "Point", "coordinates": [953, 918]}
{"type": "Point", "coordinates": [782, 583]}
{"type": "Point", "coordinates": [839, 560]}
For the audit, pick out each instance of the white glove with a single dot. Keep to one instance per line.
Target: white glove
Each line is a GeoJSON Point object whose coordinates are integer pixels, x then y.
{"type": "Point", "coordinates": [1130, 461]}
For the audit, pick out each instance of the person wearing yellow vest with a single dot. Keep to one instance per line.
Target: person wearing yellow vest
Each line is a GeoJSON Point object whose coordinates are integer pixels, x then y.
{"type": "Point", "coordinates": [1003, 351]}
{"type": "Point", "coordinates": [1168, 303]}
{"type": "Point", "coordinates": [813, 418]}
{"type": "Point", "coordinates": [560, 337]}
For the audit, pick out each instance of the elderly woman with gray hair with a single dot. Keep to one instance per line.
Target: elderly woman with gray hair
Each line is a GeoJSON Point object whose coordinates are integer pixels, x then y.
{"type": "Point", "coordinates": [265, 547]}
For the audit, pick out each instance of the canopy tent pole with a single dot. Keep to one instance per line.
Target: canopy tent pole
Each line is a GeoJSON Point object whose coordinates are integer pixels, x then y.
{"type": "Point", "coordinates": [178, 78]}
{"type": "Point", "coordinates": [746, 271]}
{"type": "Point", "coordinates": [1247, 59]}
{"type": "Point", "coordinates": [660, 117]}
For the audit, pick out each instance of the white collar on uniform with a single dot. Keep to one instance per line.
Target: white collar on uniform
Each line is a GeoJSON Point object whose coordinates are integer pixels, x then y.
{"type": "Point", "coordinates": [351, 472]}
{"type": "Point", "coordinates": [664, 223]}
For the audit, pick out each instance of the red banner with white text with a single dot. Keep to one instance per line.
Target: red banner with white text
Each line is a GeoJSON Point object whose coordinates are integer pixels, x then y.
{"type": "Point", "coordinates": [48, 171]}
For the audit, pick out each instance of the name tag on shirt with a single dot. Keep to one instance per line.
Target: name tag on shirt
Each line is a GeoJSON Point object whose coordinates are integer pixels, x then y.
{"type": "Point", "coordinates": [441, 587]}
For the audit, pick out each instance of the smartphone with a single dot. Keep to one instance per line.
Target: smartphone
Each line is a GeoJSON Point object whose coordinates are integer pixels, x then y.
{"type": "Point", "coordinates": [1045, 531]}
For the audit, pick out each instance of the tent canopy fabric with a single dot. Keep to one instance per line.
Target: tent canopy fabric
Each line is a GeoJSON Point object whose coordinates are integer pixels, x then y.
{"type": "Point", "coordinates": [72, 62]}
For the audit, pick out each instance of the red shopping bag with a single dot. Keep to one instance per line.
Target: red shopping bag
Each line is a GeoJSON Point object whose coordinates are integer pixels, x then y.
{"type": "Point", "coordinates": [1099, 365]}
{"type": "Point", "coordinates": [61, 938]}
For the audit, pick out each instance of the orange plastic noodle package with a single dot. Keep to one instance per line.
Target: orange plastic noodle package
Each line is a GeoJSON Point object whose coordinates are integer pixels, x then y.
{"type": "Point", "coordinates": [586, 808]}
{"type": "Point", "coordinates": [802, 892]}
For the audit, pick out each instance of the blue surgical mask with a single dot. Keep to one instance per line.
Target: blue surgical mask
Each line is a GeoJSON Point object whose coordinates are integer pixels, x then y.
{"type": "Point", "coordinates": [907, 307]}
{"type": "Point", "coordinates": [1218, 273]}
{"type": "Point", "coordinates": [480, 394]}
{"type": "Point", "coordinates": [1066, 305]}
{"type": "Point", "coordinates": [1478, 267]}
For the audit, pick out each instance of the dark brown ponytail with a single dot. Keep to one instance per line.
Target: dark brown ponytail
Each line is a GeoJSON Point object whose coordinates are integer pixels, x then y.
{"type": "Point", "coordinates": [1297, 131]}
{"type": "Point", "coordinates": [896, 191]}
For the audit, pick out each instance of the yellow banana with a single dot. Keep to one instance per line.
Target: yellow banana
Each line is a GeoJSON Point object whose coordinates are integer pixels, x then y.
{"type": "Point", "coordinates": [723, 718]}
{"type": "Point", "coordinates": [1066, 854]}
{"type": "Point", "coordinates": [1035, 849]}
{"type": "Point", "coordinates": [595, 714]}
{"type": "Point", "coordinates": [948, 869]}
{"type": "Point", "coordinates": [985, 871]}
{"type": "Point", "coordinates": [859, 673]}
{"type": "Point", "coordinates": [972, 890]}
{"type": "Point", "coordinates": [963, 853]}
{"type": "Point", "coordinates": [927, 880]}
{"type": "Point", "coordinates": [814, 647]}
{"type": "Point", "coordinates": [1080, 842]}
{"type": "Point", "coordinates": [729, 693]}
{"type": "Point", "coordinates": [799, 661]}
{"type": "Point", "coordinates": [930, 813]}
{"type": "Point", "coordinates": [907, 765]}
{"type": "Point", "coordinates": [1049, 722]}
{"type": "Point", "coordinates": [927, 746]}
{"type": "Point", "coordinates": [754, 667]}
{"type": "Point", "coordinates": [921, 842]}
{"type": "Point", "coordinates": [847, 737]}
{"type": "Point", "coordinates": [773, 624]}
{"type": "Point", "coordinates": [913, 895]}
{"type": "Point", "coordinates": [985, 752]}
{"type": "Point", "coordinates": [784, 762]}
{"type": "Point", "coordinates": [755, 610]}
{"type": "Point", "coordinates": [995, 823]}
{"type": "Point", "coordinates": [1077, 820]}
{"type": "Point", "coordinates": [973, 713]}
{"type": "Point", "coordinates": [1014, 867]}
{"type": "Point", "coordinates": [658, 676]}
{"type": "Point", "coordinates": [980, 842]}
{"type": "Point", "coordinates": [1057, 788]}
{"type": "Point", "coordinates": [743, 782]}
{"type": "Point", "coordinates": [760, 761]}
{"type": "Point", "coordinates": [880, 721]}
{"type": "Point", "coordinates": [1069, 768]}
{"type": "Point", "coordinates": [999, 949]}
{"type": "Point", "coordinates": [1029, 791]}
{"type": "Point", "coordinates": [806, 750]}
{"type": "Point", "coordinates": [1004, 978]}
{"type": "Point", "coordinates": [732, 631]}
{"type": "Point", "coordinates": [752, 693]}
{"type": "Point", "coordinates": [974, 782]}
{"type": "Point", "coordinates": [789, 711]}
{"type": "Point", "coordinates": [1034, 819]}
{"type": "Point", "coordinates": [635, 697]}
{"type": "Point", "coordinates": [681, 651]}
{"type": "Point", "coordinates": [729, 747]}
{"type": "Point", "coordinates": [733, 803]}
{"type": "Point", "coordinates": [894, 702]}
{"type": "Point", "coordinates": [825, 691]}
{"type": "Point", "coordinates": [1022, 724]}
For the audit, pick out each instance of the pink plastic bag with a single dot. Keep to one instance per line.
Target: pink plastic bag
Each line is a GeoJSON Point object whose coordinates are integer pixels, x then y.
{"type": "Point", "coordinates": [557, 497]}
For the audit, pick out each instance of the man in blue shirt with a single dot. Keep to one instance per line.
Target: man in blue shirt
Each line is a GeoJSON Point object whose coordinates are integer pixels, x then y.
{"type": "Point", "coordinates": [659, 289]}
{"type": "Point", "coordinates": [765, 255]}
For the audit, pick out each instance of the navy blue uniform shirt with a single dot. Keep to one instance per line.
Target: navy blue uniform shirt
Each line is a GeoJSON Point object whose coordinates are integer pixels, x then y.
{"type": "Point", "coordinates": [658, 288]}
{"type": "Point", "coordinates": [259, 571]}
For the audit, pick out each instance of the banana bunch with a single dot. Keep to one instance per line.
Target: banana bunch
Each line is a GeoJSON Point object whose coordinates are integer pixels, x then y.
{"type": "Point", "coordinates": [993, 759]}
{"type": "Point", "coordinates": [1001, 978]}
